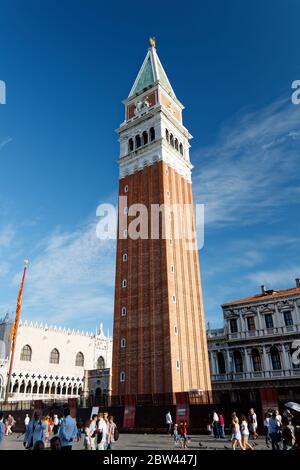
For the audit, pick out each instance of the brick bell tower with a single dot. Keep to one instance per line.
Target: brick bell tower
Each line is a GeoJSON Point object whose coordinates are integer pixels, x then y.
{"type": "Point", "coordinates": [159, 341]}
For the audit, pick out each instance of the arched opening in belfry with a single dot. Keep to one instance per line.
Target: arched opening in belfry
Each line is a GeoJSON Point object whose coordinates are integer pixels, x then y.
{"type": "Point", "coordinates": [145, 137]}
{"type": "Point", "coordinates": [130, 145]}
{"type": "Point", "coordinates": [138, 142]}
{"type": "Point", "coordinates": [152, 134]}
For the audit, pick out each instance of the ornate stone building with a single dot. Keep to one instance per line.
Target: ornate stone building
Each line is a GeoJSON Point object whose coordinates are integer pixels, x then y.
{"type": "Point", "coordinates": [160, 345]}
{"type": "Point", "coordinates": [256, 349]}
{"type": "Point", "coordinates": [52, 362]}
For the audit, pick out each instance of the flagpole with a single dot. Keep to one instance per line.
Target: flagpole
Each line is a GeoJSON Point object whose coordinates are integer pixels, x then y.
{"type": "Point", "coordinates": [14, 331]}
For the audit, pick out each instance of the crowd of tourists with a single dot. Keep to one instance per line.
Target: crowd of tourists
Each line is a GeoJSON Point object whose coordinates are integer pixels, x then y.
{"type": "Point", "coordinates": [61, 433]}
{"type": "Point", "coordinates": [100, 432]}
{"type": "Point", "coordinates": [280, 432]}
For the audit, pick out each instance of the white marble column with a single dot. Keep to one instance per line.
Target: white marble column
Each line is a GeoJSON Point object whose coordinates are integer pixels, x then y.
{"type": "Point", "coordinates": [259, 325]}
{"type": "Point", "coordinates": [243, 325]}
{"type": "Point", "coordinates": [265, 362]}
{"type": "Point", "coordinates": [278, 318]}
{"type": "Point", "coordinates": [286, 357]}
{"type": "Point", "coordinates": [297, 312]}
{"type": "Point", "coordinates": [229, 362]}
{"type": "Point", "coordinates": [248, 367]}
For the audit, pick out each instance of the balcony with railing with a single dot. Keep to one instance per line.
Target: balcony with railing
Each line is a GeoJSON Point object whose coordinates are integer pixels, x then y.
{"type": "Point", "coordinates": [256, 375]}
{"type": "Point", "coordinates": [265, 332]}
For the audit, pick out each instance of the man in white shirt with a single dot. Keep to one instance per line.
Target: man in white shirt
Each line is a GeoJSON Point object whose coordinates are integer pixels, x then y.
{"type": "Point", "coordinates": [26, 421]}
{"type": "Point", "coordinates": [169, 422]}
{"type": "Point", "coordinates": [253, 424]}
{"type": "Point", "coordinates": [102, 433]}
{"type": "Point", "coordinates": [215, 425]}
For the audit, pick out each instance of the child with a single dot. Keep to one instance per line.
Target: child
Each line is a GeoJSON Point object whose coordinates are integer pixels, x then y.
{"type": "Point", "coordinates": [176, 435]}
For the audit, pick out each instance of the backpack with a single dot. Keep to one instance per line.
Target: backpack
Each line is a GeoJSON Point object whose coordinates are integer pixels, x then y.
{"type": "Point", "coordinates": [116, 434]}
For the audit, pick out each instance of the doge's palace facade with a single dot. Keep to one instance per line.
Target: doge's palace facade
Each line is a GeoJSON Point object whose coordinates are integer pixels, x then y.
{"type": "Point", "coordinates": [51, 362]}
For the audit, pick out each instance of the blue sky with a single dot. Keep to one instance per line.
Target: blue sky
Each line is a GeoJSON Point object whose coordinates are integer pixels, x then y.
{"type": "Point", "coordinates": [67, 65]}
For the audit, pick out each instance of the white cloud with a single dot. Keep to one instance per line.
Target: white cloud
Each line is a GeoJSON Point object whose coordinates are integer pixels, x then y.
{"type": "Point", "coordinates": [280, 278]}
{"type": "Point", "coordinates": [4, 142]}
{"type": "Point", "coordinates": [7, 235]}
{"type": "Point", "coordinates": [71, 279]}
{"type": "Point", "coordinates": [252, 168]}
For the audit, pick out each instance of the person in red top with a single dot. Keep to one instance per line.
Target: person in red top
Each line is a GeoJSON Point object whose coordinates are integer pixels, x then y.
{"type": "Point", "coordinates": [221, 427]}
{"type": "Point", "coordinates": [183, 434]}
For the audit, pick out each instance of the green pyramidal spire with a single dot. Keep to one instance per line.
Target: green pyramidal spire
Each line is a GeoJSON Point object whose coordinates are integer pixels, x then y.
{"type": "Point", "coordinates": [150, 72]}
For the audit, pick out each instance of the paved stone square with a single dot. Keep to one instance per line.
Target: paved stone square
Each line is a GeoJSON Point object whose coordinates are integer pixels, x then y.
{"type": "Point", "coordinates": [145, 442]}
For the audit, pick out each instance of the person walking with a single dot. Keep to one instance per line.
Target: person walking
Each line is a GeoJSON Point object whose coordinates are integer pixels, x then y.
{"type": "Point", "coordinates": [169, 422]}
{"type": "Point", "coordinates": [288, 436]}
{"type": "Point", "coordinates": [176, 435]}
{"type": "Point", "coordinates": [274, 430]}
{"type": "Point", "coordinates": [111, 432]}
{"type": "Point", "coordinates": [266, 428]}
{"type": "Point", "coordinates": [215, 425]}
{"type": "Point", "coordinates": [93, 432]}
{"type": "Point", "coordinates": [35, 431]}
{"type": "Point", "coordinates": [26, 422]}
{"type": "Point", "coordinates": [236, 436]}
{"type": "Point", "coordinates": [55, 425]}
{"type": "Point", "coordinates": [45, 421]}
{"type": "Point", "coordinates": [221, 427]}
{"type": "Point", "coordinates": [8, 424]}
{"type": "Point", "coordinates": [101, 432]}
{"type": "Point", "coordinates": [1, 429]}
{"type": "Point", "coordinates": [245, 433]}
{"type": "Point", "coordinates": [67, 431]}
{"type": "Point", "coordinates": [287, 414]}
{"type": "Point", "coordinates": [252, 419]}
{"type": "Point", "coordinates": [87, 435]}
{"type": "Point", "coordinates": [183, 434]}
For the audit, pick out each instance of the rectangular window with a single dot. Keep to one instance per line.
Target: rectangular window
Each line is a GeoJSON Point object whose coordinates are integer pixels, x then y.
{"type": "Point", "coordinates": [251, 323]}
{"type": "Point", "coordinates": [126, 189]}
{"type": "Point", "coordinates": [269, 320]}
{"type": "Point", "coordinates": [288, 319]}
{"type": "Point", "coordinates": [233, 325]}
